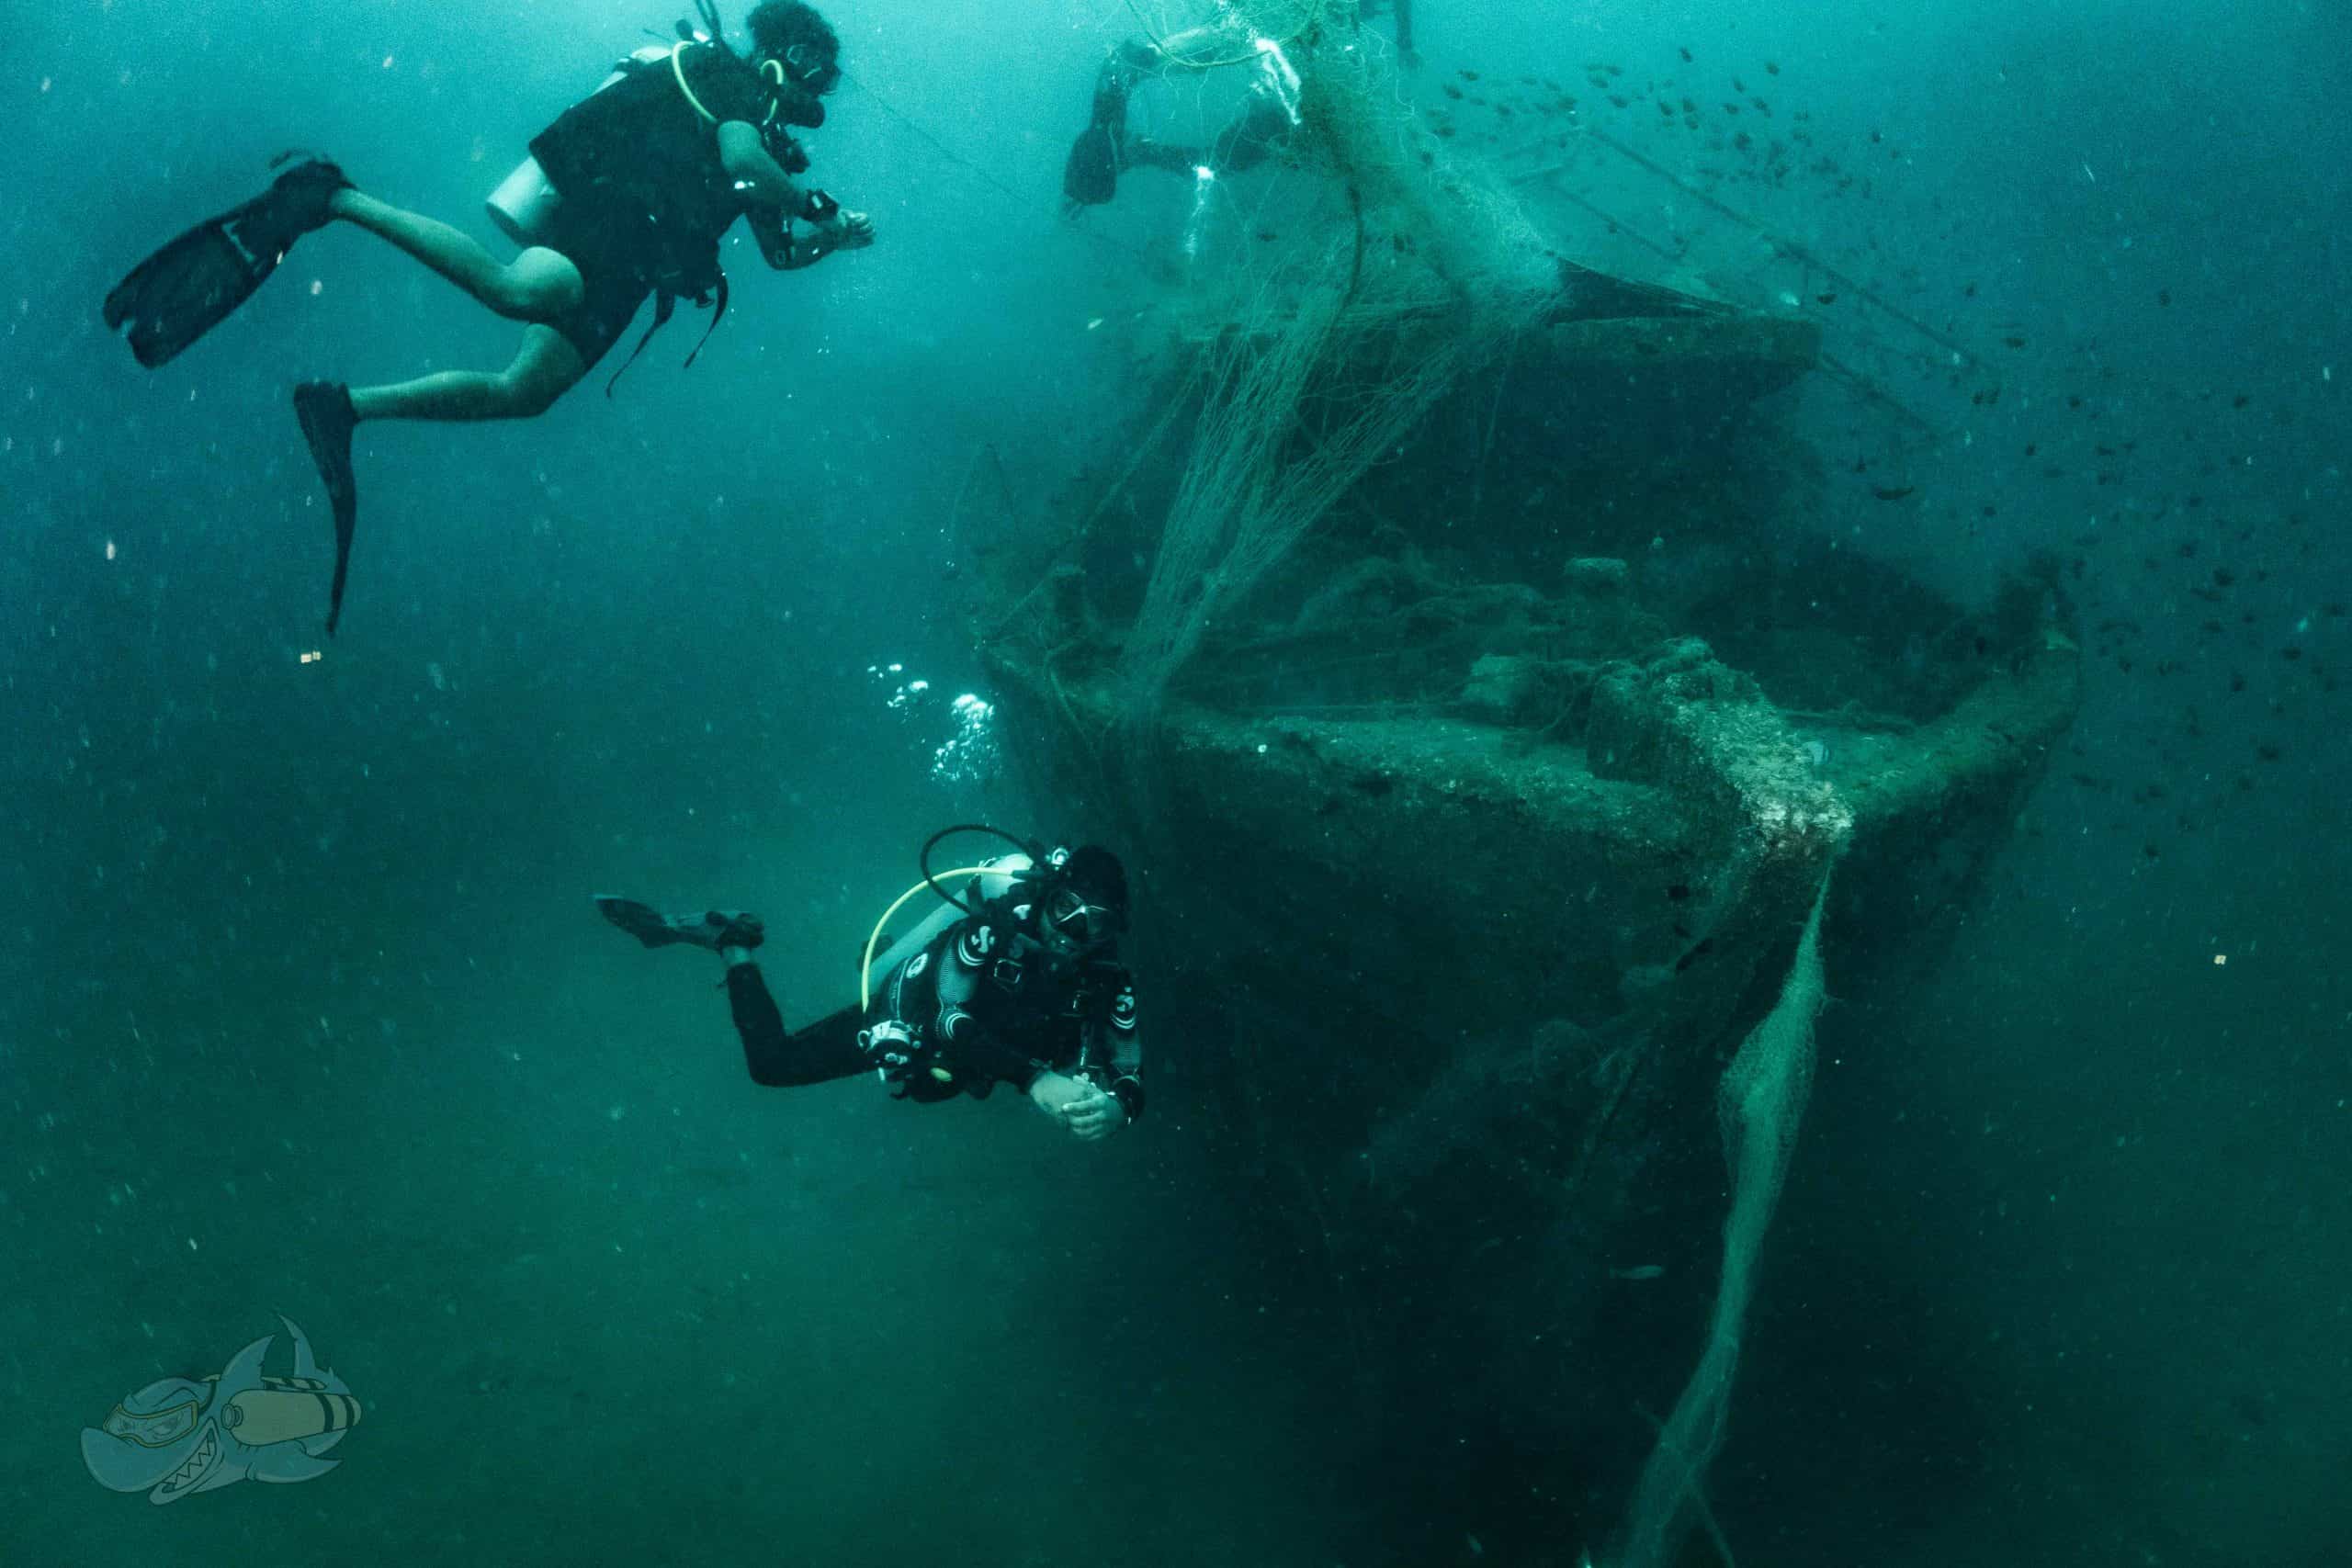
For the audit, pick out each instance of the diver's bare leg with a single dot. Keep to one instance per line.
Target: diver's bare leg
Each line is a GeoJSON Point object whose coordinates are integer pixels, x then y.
{"type": "Point", "coordinates": [545, 368]}
{"type": "Point", "coordinates": [537, 286]}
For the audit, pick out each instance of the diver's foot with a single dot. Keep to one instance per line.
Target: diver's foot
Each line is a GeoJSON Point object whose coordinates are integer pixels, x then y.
{"type": "Point", "coordinates": [721, 929]}
{"type": "Point", "coordinates": [303, 197]}
{"type": "Point", "coordinates": [716, 929]}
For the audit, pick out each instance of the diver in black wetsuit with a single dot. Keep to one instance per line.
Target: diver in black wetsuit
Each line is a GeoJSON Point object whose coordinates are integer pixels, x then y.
{"type": "Point", "coordinates": [1017, 982]}
{"type": "Point", "coordinates": [625, 197]}
{"type": "Point", "coordinates": [1266, 118]}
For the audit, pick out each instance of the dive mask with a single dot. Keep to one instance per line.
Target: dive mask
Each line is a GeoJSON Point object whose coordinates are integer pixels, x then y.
{"type": "Point", "coordinates": [811, 69]}
{"type": "Point", "coordinates": [1070, 915]}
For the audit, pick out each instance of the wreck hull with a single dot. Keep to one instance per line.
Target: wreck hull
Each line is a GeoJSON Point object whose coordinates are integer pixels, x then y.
{"type": "Point", "coordinates": [1465, 868]}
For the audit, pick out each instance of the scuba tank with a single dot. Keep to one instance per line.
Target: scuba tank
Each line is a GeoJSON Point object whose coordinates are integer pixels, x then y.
{"type": "Point", "coordinates": [523, 206]}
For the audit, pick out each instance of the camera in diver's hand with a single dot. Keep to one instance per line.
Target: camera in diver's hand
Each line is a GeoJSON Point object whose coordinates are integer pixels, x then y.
{"type": "Point", "coordinates": [915, 1069]}
{"type": "Point", "coordinates": [892, 1047]}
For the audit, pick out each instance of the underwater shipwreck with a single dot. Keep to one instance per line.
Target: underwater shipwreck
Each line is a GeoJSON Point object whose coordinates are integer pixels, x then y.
{"type": "Point", "coordinates": [1506, 763]}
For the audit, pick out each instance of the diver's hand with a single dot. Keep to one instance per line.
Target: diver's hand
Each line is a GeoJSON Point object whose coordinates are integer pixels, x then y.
{"type": "Point", "coordinates": [1053, 1093]}
{"type": "Point", "coordinates": [1094, 1114]}
{"type": "Point", "coordinates": [844, 230]}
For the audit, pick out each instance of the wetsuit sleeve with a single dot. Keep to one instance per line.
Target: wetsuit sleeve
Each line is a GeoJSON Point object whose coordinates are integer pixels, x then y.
{"type": "Point", "coordinates": [1115, 1054]}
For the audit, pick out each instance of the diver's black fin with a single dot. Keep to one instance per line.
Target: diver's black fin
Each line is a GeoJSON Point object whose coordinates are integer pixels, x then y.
{"type": "Point", "coordinates": [643, 922]}
{"type": "Point", "coordinates": [1090, 177]}
{"type": "Point", "coordinates": [192, 284]}
{"type": "Point", "coordinates": [326, 411]}
{"type": "Point", "coordinates": [714, 928]}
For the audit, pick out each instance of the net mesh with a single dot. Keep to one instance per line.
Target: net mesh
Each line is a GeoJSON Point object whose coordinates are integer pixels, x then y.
{"type": "Point", "coordinates": [1760, 1104]}
{"type": "Point", "coordinates": [1405, 275]}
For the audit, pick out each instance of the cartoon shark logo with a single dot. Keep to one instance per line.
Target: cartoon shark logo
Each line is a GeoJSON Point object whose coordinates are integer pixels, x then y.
{"type": "Point", "coordinates": [182, 1435]}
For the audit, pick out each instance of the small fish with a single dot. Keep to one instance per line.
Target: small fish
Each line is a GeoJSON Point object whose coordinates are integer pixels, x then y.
{"type": "Point", "coordinates": [1892, 492]}
{"type": "Point", "coordinates": [1686, 56]}
{"type": "Point", "coordinates": [2014, 342]}
{"type": "Point", "coordinates": [1826, 298]}
{"type": "Point", "coordinates": [1771, 68]}
{"type": "Point", "coordinates": [1640, 1271]}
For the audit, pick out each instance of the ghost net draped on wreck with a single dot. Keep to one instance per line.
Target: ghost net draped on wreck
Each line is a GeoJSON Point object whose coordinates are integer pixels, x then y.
{"type": "Point", "coordinates": [1445, 642]}
{"type": "Point", "coordinates": [1410, 276]}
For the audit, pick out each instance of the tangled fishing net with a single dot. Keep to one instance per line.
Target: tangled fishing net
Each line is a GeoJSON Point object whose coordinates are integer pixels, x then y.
{"type": "Point", "coordinates": [1401, 274]}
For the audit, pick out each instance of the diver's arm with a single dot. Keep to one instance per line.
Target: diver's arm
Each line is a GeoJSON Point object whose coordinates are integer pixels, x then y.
{"type": "Point", "coordinates": [788, 249]}
{"type": "Point", "coordinates": [1112, 1065]}
{"type": "Point", "coordinates": [759, 179]}
{"type": "Point", "coordinates": [1086, 1107]}
{"type": "Point", "coordinates": [1124, 1037]}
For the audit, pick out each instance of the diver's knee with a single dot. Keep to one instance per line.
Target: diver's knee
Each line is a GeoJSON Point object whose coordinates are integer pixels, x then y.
{"type": "Point", "coordinates": [546, 369]}
{"type": "Point", "coordinates": [529, 396]}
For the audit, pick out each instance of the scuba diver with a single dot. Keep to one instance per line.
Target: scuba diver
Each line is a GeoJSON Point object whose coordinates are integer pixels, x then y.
{"type": "Point", "coordinates": [1266, 117]}
{"type": "Point", "coordinates": [1015, 980]}
{"type": "Point", "coordinates": [623, 197]}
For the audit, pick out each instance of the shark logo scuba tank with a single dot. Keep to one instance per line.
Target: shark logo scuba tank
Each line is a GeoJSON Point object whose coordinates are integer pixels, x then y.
{"type": "Point", "coordinates": [523, 205]}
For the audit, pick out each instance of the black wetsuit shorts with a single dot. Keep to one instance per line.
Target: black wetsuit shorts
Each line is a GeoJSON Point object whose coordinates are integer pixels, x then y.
{"type": "Point", "coordinates": [616, 272]}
